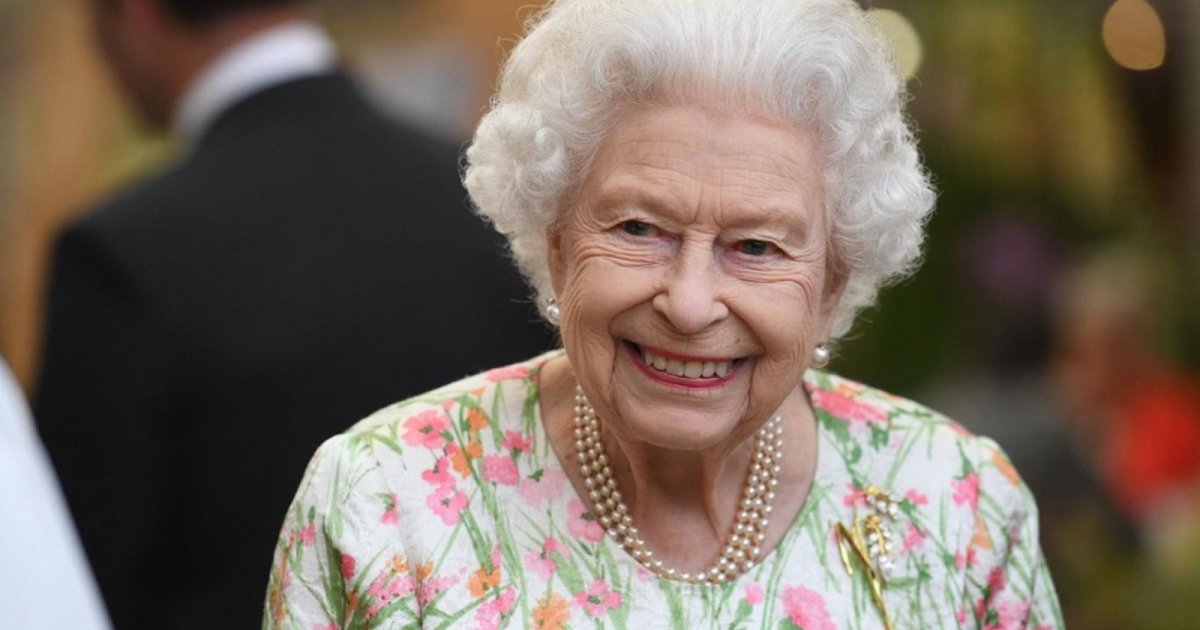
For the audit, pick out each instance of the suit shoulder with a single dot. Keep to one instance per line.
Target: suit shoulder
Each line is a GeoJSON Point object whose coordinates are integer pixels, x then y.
{"type": "Point", "coordinates": [135, 210]}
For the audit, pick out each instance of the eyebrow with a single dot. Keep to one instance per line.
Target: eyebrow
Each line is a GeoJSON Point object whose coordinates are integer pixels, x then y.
{"type": "Point", "coordinates": [616, 194]}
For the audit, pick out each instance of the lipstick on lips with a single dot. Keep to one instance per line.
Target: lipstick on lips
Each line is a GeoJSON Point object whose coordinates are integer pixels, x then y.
{"type": "Point", "coordinates": [681, 370]}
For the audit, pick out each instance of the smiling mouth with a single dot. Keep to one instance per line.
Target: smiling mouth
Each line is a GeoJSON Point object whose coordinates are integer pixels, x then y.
{"type": "Point", "coordinates": [684, 367]}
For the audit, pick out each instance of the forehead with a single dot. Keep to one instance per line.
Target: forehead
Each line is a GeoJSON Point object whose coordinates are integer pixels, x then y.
{"type": "Point", "coordinates": [690, 159]}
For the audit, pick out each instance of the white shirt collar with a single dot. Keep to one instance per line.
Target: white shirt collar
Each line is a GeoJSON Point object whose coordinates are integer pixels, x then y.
{"type": "Point", "coordinates": [279, 54]}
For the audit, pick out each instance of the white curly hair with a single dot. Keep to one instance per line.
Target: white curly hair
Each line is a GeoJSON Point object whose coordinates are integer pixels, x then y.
{"type": "Point", "coordinates": [818, 64]}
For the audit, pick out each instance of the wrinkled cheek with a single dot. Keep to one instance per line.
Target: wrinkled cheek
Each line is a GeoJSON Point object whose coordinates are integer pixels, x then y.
{"type": "Point", "coordinates": [585, 324]}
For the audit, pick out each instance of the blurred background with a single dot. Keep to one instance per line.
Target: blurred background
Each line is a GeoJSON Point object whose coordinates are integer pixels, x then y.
{"type": "Point", "coordinates": [1058, 309]}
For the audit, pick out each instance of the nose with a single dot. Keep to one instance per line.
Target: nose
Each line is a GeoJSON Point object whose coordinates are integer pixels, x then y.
{"type": "Point", "coordinates": [691, 298]}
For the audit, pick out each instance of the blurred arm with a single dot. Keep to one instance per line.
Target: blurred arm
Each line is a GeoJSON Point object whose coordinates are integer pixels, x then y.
{"type": "Point", "coordinates": [1009, 583]}
{"type": "Point", "coordinates": [100, 405]}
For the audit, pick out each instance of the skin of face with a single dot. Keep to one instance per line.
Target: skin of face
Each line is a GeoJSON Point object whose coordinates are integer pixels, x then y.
{"type": "Point", "coordinates": [702, 235]}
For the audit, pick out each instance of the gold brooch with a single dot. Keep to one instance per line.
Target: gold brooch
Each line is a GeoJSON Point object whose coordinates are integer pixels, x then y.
{"type": "Point", "coordinates": [870, 538]}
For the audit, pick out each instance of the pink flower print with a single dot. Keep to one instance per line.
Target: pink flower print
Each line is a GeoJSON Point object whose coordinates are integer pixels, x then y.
{"type": "Point", "coordinates": [489, 614]}
{"type": "Point", "coordinates": [847, 408]}
{"type": "Point", "coordinates": [996, 581]}
{"type": "Point", "coordinates": [391, 514]}
{"type": "Point", "coordinates": [308, 535]}
{"type": "Point", "coordinates": [913, 538]}
{"type": "Point", "coordinates": [1010, 615]}
{"type": "Point", "coordinates": [916, 498]}
{"type": "Point", "coordinates": [754, 593]}
{"type": "Point", "coordinates": [806, 609]}
{"type": "Point", "coordinates": [517, 442]}
{"type": "Point", "coordinates": [389, 586]}
{"type": "Point", "coordinates": [961, 616]}
{"type": "Point", "coordinates": [447, 502]}
{"type": "Point", "coordinates": [431, 587]}
{"type": "Point", "coordinates": [854, 496]}
{"type": "Point", "coordinates": [598, 599]}
{"type": "Point", "coordinates": [439, 475]}
{"type": "Point", "coordinates": [509, 373]}
{"type": "Point", "coordinates": [541, 561]}
{"type": "Point", "coordinates": [582, 524]}
{"type": "Point", "coordinates": [326, 626]}
{"type": "Point", "coordinates": [348, 566]}
{"type": "Point", "coordinates": [966, 490]}
{"type": "Point", "coordinates": [425, 429]}
{"type": "Point", "coordinates": [546, 486]}
{"type": "Point", "coordinates": [500, 469]}
{"type": "Point", "coordinates": [980, 609]}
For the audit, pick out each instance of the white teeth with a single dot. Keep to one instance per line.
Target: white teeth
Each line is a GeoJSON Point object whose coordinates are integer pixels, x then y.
{"type": "Point", "coordinates": [688, 369]}
{"type": "Point", "coordinates": [675, 367]}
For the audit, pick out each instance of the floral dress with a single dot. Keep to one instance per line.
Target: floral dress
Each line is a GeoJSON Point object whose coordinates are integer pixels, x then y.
{"type": "Point", "coordinates": [451, 510]}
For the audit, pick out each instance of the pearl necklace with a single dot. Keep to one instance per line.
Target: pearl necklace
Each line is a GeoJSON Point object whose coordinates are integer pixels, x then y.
{"type": "Point", "coordinates": [744, 546]}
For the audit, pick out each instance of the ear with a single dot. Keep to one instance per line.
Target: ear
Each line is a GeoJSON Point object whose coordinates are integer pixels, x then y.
{"type": "Point", "coordinates": [144, 14]}
{"type": "Point", "coordinates": [835, 285]}
{"type": "Point", "coordinates": [554, 257]}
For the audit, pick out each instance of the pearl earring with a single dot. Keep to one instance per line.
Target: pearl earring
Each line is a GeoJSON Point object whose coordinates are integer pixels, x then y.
{"type": "Point", "coordinates": [553, 312]}
{"type": "Point", "coordinates": [821, 353]}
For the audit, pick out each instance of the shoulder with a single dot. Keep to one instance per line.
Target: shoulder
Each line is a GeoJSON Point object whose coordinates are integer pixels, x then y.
{"type": "Point", "coordinates": [503, 395]}
{"type": "Point", "coordinates": [893, 441]}
{"type": "Point", "coordinates": [397, 453]}
{"type": "Point", "coordinates": [837, 399]}
{"type": "Point", "coordinates": [139, 221]}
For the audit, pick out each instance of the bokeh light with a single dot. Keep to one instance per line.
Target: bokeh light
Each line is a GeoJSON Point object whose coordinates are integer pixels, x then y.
{"type": "Point", "coordinates": [906, 43]}
{"type": "Point", "coordinates": [1134, 35]}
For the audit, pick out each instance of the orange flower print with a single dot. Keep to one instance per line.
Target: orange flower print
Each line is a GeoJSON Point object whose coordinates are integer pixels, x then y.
{"type": "Point", "coordinates": [476, 419]}
{"type": "Point", "coordinates": [424, 570]}
{"type": "Point", "coordinates": [460, 459]}
{"type": "Point", "coordinates": [484, 580]}
{"type": "Point", "coordinates": [275, 595]}
{"type": "Point", "coordinates": [1006, 468]}
{"type": "Point", "coordinates": [981, 539]}
{"type": "Point", "coordinates": [551, 613]}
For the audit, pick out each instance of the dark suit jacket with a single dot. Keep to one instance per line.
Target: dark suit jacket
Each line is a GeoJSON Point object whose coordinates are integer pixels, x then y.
{"type": "Point", "coordinates": [307, 263]}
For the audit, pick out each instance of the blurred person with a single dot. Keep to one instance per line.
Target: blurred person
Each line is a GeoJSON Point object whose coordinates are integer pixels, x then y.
{"type": "Point", "coordinates": [45, 584]}
{"type": "Point", "coordinates": [1137, 414]}
{"type": "Point", "coordinates": [704, 195]}
{"type": "Point", "coordinates": [208, 327]}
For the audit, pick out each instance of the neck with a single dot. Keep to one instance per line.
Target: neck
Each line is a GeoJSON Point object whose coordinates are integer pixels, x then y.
{"type": "Point", "coordinates": [685, 503]}
{"type": "Point", "coordinates": [199, 47]}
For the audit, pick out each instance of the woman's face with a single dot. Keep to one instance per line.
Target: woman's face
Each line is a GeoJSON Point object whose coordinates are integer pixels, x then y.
{"type": "Point", "coordinates": [692, 274]}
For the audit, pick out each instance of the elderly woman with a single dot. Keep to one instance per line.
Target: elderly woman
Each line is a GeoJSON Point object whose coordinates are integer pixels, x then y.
{"type": "Point", "coordinates": [703, 193]}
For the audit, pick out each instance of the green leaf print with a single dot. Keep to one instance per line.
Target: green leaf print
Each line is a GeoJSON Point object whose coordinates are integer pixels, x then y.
{"type": "Point", "coordinates": [838, 427]}
{"type": "Point", "coordinates": [879, 436]}
{"type": "Point", "coordinates": [743, 612]}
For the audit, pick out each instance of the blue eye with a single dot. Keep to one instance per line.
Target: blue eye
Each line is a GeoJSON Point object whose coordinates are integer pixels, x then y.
{"type": "Point", "coordinates": [637, 228]}
{"type": "Point", "coordinates": [754, 248]}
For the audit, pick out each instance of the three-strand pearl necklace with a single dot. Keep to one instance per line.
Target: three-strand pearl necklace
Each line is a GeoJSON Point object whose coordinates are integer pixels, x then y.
{"type": "Point", "coordinates": [744, 546]}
